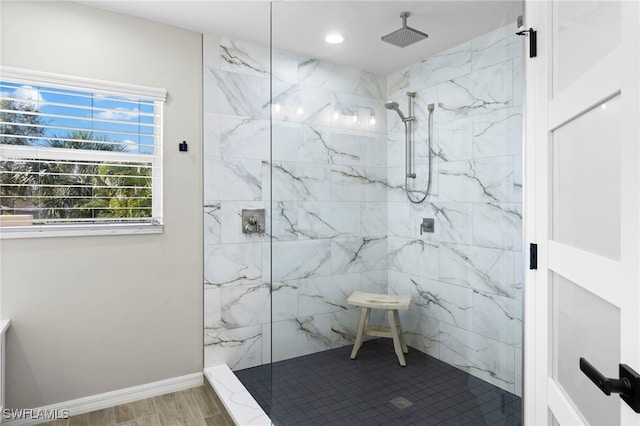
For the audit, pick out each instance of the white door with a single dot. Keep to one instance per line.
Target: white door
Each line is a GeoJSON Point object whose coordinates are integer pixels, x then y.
{"type": "Point", "coordinates": [582, 192]}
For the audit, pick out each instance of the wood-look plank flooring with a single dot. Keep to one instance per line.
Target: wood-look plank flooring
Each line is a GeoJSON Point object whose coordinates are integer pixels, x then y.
{"type": "Point", "coordinates": [190, 407]}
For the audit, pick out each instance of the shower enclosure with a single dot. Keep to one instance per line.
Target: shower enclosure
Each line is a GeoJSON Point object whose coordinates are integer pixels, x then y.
{"type": "Point", "coordinates": [310, 141]}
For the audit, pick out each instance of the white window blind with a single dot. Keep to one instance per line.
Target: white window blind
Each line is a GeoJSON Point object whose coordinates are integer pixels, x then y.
{"type": "Point", "coordinates": [78, 152]}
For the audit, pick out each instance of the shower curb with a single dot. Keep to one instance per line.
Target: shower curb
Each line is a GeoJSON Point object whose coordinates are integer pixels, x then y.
{"type": "Point", "coordinates": [242, 407]}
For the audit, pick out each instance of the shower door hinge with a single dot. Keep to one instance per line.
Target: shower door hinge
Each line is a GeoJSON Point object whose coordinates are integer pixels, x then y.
{"type": "Point", "coordinates": [533, 256]}
{"type": "Point", "coordinates": [533, 41]}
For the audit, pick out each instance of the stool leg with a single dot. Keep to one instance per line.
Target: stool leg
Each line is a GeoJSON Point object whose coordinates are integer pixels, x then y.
{"type": "Point", "coordinates": [402, 342]}
{"type": "Point", "coordinates": [363, 322]}
{"type": "Point", "coordinates": [396, 338]}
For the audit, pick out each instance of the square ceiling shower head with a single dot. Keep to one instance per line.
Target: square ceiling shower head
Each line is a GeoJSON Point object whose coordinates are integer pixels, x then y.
{"type": "Point", "coordinates": [405, 35]}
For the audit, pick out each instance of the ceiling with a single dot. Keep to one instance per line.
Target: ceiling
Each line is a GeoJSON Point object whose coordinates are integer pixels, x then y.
{"type": "Point", "coordinates": [300, 26]}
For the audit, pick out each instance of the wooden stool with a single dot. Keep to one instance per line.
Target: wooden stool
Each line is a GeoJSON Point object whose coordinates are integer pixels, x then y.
{"type": "Point", "coordinates": [392, 303]}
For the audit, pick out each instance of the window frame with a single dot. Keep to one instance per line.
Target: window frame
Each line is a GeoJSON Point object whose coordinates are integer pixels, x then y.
{"type": "Point", "coordinates": [95, 86]}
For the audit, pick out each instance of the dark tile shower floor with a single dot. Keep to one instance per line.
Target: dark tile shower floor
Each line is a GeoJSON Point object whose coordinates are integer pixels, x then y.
{"type": "Point", "coordinates": [328, 388]}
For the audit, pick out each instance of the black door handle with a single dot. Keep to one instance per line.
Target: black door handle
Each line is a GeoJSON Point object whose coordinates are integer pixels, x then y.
{"type": "Point", "coordinates": [628, 385]}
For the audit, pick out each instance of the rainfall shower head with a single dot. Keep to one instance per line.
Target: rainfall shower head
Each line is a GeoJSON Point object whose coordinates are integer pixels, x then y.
{"type": "Point", "coordinates": [394, 106]}
{"type": "Point", "coordinates": [405, 35]}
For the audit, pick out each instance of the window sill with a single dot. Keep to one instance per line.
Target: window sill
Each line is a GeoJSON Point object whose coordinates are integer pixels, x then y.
{"type": "Point", "coordinates": [45, 231]}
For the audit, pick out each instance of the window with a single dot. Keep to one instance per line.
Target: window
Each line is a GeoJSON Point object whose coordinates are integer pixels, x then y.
{"type": "Point", "coordinates": [78, 156]}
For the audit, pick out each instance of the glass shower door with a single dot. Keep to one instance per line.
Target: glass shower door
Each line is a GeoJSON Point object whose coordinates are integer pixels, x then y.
{"type": "Point", "coordinates": [341, 220]}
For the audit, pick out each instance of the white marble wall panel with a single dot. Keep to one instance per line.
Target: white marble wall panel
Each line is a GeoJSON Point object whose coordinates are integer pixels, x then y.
{"type": "Point", "coordinates": [211, 125]}
{"type": "Point", "coordinates": [349, 80]}
{"type": "Point", "coordinates": [283, 98]}
{"type": "Point", "coordinates": [447, 65]}
{"type": "Point", "coordinates": [517, 178]}
{"type": "Point", "coordinates": [358, 254]}
{"type": "Point", "coordinates": [373, 150]}
{"type": "Point", "coordinates": [328, 220]}
{"type": "Point", "coordinates": [400, 223]}
{"type": "Point", "coordinates": [244, 58]}
{"type": "Point", "coordinates": [373, 219]}
{"type": "Point", "coordinates": [233, 264]}
{"type": "Point", "coordinates": [321, 295]}
{"type": "Point", "coordinates": [396, 147]}
{"type": "Point", "coordinates": [232, 180]}
{"type": "Point", "coordinates": [300, 259]}
{"type": "Point", "coordinates": [374, 281]}
{"type": "Point", "coordinates": [401, 283]}
{"type": "Point", "coordinates": [495, 47]}
{"type": "Point", "coordinates": [485, 358]}
{"type": "Point", "coordinates": [212, 307]}
{"type": "Point", "coordinates": [479, 268]}
{"type": "Point", "coordinates": [453, 140]}
{"type": "Point", "coordinates": [421, 333]}
{"type": "Point", "coordinates": [443, 302]}
{"type": "Point", "coordinates": [244, 137]}
{"type": "Point", "coordinates": [354, 183]}
{"type": "Point", "coordinates": [519, 261]}
{"type": "Point", "coordinates": [284, 220]}
{"type": "Point", "coordinates": [301, 336]}
{"type": "Point", "coordinates": [253, 59]}
{"type": "Point", "coordinates": [243, 306]}
{"type": "Point", "coordinates": [232, 93]}
{"type": "Point", "coordinates": [497, 317]}
{"type": "Point", "coordinates": [321, 145]}
{"type": "Point", "coordinates": [285, 300]}
{"type": "Point", "coordinates": [498, 225]}
{"type": "Point", "coordinates": [266, 249]}
{"type": "Point", "coordinates": [344, 327]}
{"type": "Point", "coordinates": [301, 104]}
{"type": "Point", "coordinates": [267, 331]}
{"type": "Point", "coordinates": [325, 75]}
{"type": "Point", "coordinates": [396, 185]}
{"type": "Point", "coordinates": [518, 81]}
{"type": "Point", "coordinates": [519, 370]}
{"type": "Point", "coordinates": [212, 222]}
{"type": "Point", "coordinates": [497, 133]}
{"type": "Point", "coordinates": [482, 180]}
{"type": "Point", "coordinates": [371, 85]}
{"type": "Point", "coordinates": [238, 348]}
{"type": "Point", "coordinates": [399, 81]}
{"type": "Point", "coordinates": [485, 90]}
{"type": "Point", "coordinates": [296, 181]}
{"type": "Point", "coordinates": [285, 141]}
{"type": "Point", "coordinates": [414, 256]}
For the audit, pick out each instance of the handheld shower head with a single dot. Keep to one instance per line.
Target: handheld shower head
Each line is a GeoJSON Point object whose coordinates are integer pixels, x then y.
{"type": "Point", "coordinates": [394, 106]}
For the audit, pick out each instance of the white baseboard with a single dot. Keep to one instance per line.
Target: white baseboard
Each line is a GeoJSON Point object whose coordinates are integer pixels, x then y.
{"type": "Point", "coordinates": [111, 399]}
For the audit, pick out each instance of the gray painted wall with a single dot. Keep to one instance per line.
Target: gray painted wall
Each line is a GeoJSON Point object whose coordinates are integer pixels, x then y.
{"type": "Point", "coordinates": [96, 314]}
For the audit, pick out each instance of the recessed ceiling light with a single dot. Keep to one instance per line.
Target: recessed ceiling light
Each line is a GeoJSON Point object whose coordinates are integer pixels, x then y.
{"type": "Point", "coordinates": [334, 38]}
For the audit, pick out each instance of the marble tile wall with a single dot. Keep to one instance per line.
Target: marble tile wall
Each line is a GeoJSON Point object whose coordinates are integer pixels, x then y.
{"type": "Point", "coordinates": [465, 279]}
{"type": "Point", "coordinates": [333, 189]}
{"type": "Point", "coordinates": [323, 185]}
